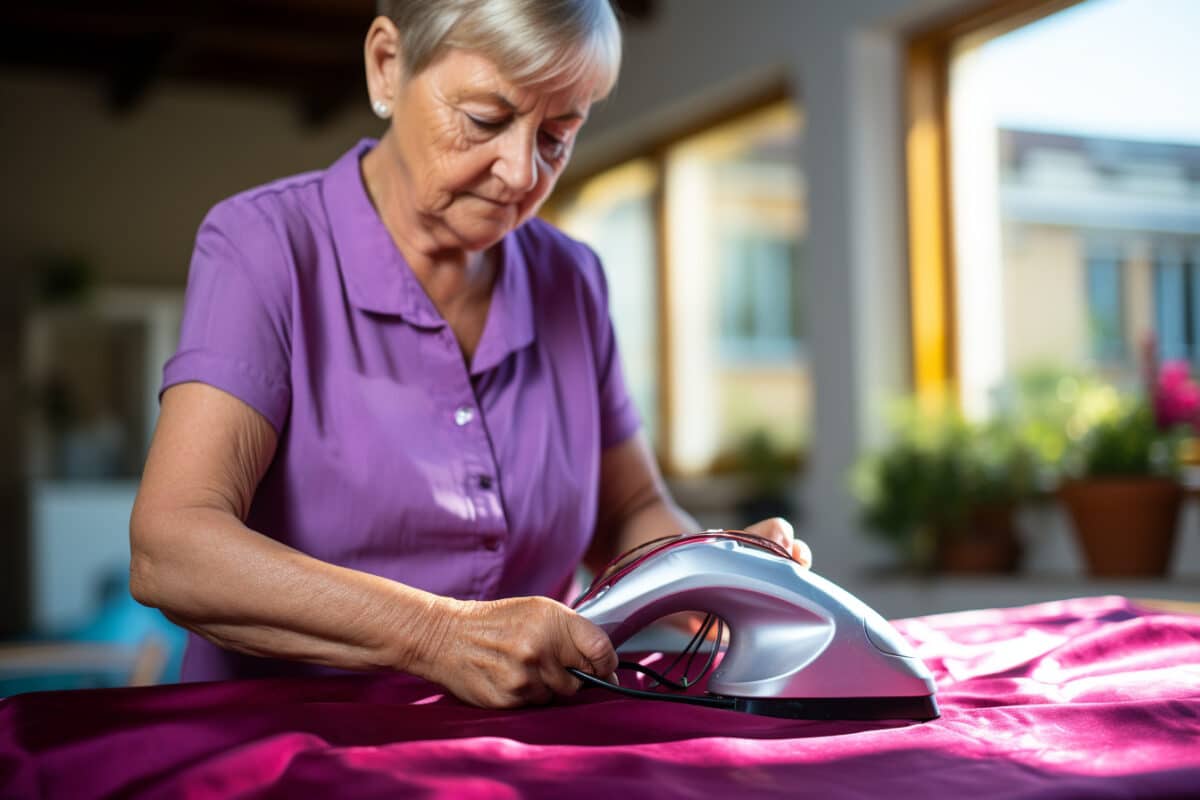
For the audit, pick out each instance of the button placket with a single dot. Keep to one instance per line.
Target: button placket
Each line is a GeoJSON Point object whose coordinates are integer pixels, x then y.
{"type": "Point", "coordinates": [470, 452]}
{"type": "Point", "coordinates": [479, 470]}
{"type": "Point", "coordinates": [479, 482]}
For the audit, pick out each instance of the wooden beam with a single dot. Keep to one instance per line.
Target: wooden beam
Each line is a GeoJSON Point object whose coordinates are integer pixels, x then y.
{"type": "Point", "coordinates": [140, 68]}
{"type": "Point", "coordinates": [128, 18]}
{"type": "Point", "coordinates": [307, 49]}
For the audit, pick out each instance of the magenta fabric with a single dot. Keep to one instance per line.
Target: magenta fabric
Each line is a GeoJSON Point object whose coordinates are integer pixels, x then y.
{"type": "Point", "coordinates": [395, 457]}
{"type": "Point", "coordinates": [1081, 698]}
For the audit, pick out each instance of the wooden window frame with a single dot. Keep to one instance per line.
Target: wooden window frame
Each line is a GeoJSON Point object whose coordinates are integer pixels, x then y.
{"type": "Point", "coordinates": [927, 145]}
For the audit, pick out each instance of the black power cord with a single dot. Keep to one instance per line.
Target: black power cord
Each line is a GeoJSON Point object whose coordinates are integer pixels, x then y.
{"type": "Point", "coordinates": [697, 700]}
{"type": "Point", "coordinates": [690, 650]}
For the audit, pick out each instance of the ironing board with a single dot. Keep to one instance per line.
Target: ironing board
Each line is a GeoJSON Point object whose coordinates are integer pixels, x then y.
{"type": "Point", "coordinates": [1092, 697]}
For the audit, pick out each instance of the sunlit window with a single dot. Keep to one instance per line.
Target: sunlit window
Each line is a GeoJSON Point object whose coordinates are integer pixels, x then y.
{"type": "Point", "coordinates": [703, 245]}
{"type": "Point", "coordinates": [1075, 176]}
{"type": "Point", "coordinates": [614, 213]}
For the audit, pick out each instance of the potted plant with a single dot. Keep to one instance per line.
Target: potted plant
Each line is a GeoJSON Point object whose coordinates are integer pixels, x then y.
{"type": "Point", "coordinates": [1121, 489]}
{"type": "Point", "coordinates": [998, 473]}
{"type": "Point", "coordinates": [1049, 407]}
{"type": "Point", "coordinates": [768, 474]}
{"type": "Point", "coordinates": [944, 493]}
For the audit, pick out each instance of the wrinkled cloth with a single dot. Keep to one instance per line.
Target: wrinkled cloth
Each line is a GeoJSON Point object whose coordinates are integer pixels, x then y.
{"type": "Point", "coordinates": [1091, 697]}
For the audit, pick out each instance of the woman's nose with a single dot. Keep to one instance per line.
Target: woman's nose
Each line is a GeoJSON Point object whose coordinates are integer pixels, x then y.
{"type": "Point", "coordinates": [516, 165]}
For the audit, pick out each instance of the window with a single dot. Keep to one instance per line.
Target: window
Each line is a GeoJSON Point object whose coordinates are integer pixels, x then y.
{"type": "Point", "coordinates": [1073, 183]}
{"type": "Point", "coordinates": [760, 320]}
{"type": "Point", "coordinates": [703, 245]}
{"type": "Point", "coordinates": [1177, 301]}
{"type": "Point", "coordinates": [614, 213]}
{"type": "Point", "coordinates": [1105, 315]}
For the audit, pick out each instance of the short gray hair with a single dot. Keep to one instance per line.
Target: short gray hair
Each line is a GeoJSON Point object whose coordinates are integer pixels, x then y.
{"type": "Point", "coordinates": [534, 42]}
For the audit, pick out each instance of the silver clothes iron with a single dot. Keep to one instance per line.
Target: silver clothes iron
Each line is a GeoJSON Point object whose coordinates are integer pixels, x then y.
{"type": "Point", "coordinates": [799, 646]}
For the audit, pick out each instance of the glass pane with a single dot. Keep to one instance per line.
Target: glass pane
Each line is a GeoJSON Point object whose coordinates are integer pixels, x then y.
{"type": "Point", "coordinates": [736, 215]}
{"type": "Point", "coordinates": [1104, 308]}
{"type": "Point", "coordinates": [1076, 186]}
{"type": "Point", "coordinates": [1170, 304]}
{"type": "Point", "coordinates": [614, 214]}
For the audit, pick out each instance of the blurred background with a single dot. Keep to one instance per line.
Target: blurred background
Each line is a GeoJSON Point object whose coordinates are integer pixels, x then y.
{"type": "Point", "coordinates": [921, 275]}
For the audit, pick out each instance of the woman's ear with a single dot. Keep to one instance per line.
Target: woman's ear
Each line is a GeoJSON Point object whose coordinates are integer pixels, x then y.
{"type": "Point", "coordinates": [381, 52]}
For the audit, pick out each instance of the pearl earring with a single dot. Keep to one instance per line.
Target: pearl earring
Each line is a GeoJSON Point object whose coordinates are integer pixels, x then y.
{"type": "Point", "coordinates": [381, 109]}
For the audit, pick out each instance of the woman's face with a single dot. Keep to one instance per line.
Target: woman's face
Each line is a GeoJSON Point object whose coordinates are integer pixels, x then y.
{"type": "Point", "coordinates": [478, 154]}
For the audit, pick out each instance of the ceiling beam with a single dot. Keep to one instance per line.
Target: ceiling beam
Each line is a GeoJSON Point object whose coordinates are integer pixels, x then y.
{"type": "Point", "coordinates": [307, 49]}
{"type": "Point", "coordinates": [142, 64]}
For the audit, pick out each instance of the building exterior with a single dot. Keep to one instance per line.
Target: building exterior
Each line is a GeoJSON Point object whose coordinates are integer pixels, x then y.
{"type": "Point", "coordinates": [1101, 250]}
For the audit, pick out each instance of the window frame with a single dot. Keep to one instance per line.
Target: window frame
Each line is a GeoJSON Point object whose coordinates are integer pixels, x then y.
{"type": "Point", "coordinates": [933, 323]}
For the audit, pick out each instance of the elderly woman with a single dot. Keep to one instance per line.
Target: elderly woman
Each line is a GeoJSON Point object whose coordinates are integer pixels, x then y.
{"type": "Point", "coordinates": [397, 421]}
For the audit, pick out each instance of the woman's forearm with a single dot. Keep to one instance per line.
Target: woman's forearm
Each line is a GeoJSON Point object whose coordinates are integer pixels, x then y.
{"type": "Point", "coordinates": [655, 519]}
{"type": "Point", "coordinates": [247, 592]}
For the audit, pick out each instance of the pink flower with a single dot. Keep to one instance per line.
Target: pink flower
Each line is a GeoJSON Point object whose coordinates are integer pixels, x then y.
{"type": "Point", "coordinates": [1176, 396]}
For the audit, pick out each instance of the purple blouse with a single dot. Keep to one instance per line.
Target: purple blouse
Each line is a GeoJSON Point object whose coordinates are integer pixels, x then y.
{"type": "Point", "coordinates": [395, 457]}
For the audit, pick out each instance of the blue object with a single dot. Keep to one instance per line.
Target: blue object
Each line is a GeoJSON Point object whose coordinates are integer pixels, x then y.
{"type": "Point", "coordinates": [120, 621]}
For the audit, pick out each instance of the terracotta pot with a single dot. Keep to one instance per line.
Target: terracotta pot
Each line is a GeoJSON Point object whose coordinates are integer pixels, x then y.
{"type": "Point", "coordinates": [986, 542]}
{"type": "Point", "coordinates": [1125, 526]}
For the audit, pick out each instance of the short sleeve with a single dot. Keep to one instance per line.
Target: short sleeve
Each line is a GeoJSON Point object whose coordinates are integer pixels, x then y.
{"type": "Point", "coordinates": [619, 418]}
{"type": "Point", "coordinates": [235, 333]}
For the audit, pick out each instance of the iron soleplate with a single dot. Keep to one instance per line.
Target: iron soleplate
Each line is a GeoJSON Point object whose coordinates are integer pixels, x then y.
{"type": "Point", "coordinates": [838, 708]}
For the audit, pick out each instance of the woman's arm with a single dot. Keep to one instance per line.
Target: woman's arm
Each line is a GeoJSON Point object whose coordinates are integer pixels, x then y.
{"type": "Point", "coordinates": [635, 507]}
{"type": "Point", "coordinates": [193, 557]}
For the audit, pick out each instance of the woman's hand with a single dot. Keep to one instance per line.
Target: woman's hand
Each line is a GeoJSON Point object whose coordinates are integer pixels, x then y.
{"type": "Point", "coordinates": [512, 652]}
{"type": "Point", "coordinates": [779, 530]}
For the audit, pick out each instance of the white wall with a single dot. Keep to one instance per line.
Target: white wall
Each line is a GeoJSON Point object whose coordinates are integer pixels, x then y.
{"type": "Point", "coordinates": [129, 192]}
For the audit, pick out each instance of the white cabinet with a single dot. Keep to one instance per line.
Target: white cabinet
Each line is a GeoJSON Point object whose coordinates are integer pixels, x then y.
{"type": "Point", "coordinates": [92, 369]}
{"type": "Point", "coordinates": [80, 533]}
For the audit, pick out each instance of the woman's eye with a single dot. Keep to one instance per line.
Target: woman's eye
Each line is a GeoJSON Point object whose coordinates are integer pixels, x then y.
{"type": "Point", "coordinates": [552, 146]}
{"type": "Point", "coordinates": [484, 124]}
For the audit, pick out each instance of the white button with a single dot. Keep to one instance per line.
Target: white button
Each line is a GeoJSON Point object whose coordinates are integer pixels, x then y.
{"type": "Point", "coordinates": [463, 415]}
